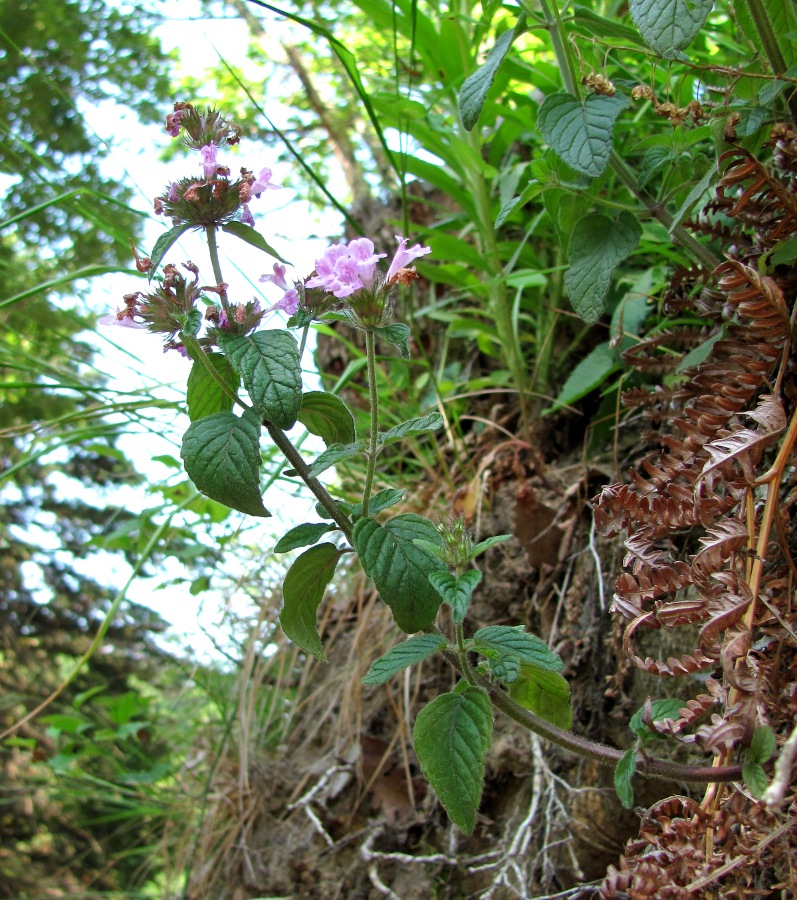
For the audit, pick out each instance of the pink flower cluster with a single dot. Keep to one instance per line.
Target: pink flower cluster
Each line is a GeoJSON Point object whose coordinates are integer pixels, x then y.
{"type": "Point", "coordinates": [345, 269]}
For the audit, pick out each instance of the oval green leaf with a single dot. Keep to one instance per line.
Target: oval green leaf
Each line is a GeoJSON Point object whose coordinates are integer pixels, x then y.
{"type": "Point", "coordinates": [205, 396]}
{"type": "Point", "coordinates": [405, 654]}
{"type": "Point", "coordinates": [452, 736]}
{"type": "Point", "coordinates": [302, 593]}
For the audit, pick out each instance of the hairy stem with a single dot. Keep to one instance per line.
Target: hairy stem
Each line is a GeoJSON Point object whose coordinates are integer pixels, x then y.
{"type": "Point", "coordinates": [373, 394]}
{"type": "Point", "coordinates": [303, 342]}
{"type": "Point", "coordinates": [463, 656]}
{"type": "Point", "coordinates": [213, 250]}
{"type": "Point", "coordinates": [322, 495]}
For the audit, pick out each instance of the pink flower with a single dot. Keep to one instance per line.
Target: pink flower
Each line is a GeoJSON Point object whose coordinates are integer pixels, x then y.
{"type": "Point", "coordinates": [209, 161]}
{"type": "Point", "coordinates": [289, 302]}
{"type": "Point", "coordinates": [277, 278]}
{"type": "Point", "coordinates": [404, 257]}
{"type": "Point", "coordinates": [246, 215]}
{"type": "Point", "coordinates": [173, 122]}
{"type": "Point", "coordinates": [263, 183]}
{"type": "Point", "coordinates": [173, 196]}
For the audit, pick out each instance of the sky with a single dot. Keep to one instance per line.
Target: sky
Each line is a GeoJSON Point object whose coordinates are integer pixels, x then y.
{"type": "Point", "coordinates": [136, 358]}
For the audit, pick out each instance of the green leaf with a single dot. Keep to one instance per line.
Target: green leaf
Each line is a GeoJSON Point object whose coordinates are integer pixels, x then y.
{"type": "Point", "coordinates": [403, 655]}
{"type": "Point", "coordinates": [589, 374]}
{"type": "Point", "coordinates": [505, 668]}
{"type": "Point", "coordinates": [268, 362]}
{"type": "Point", "coordinates": [400, 569]}
{"type": "Point", "coordinates": [303, 536]}
{"type": "Point", "coordinates": [693, 196]}
{"type": "Point", "coordinates": [163, 244]}
{"type": "Point", "coordinates": [327, 416]}
{"type": "Point", "coordinates": [600, 27]}
{"type": "Point", "coordinates": [782, 16]}
{"type": "Point", "coordinates": [398, 335]}
{"type": "Point", "coordinates": [248, 234]}
{"type": "Point", "coordinates": [452, 736]}
{"type": "Point", "coordinates": [580, 133]}
{"type": "Point", "coordinates": [545, 693]}
{"type": "Point", "coordinates": [485, 545]}
{"type": "Point", "coordinates": [204, 394]}
{"type": "Point", "coordinates": [430, 422]}
{"type": "Point", "coordinates": [456, 591]}
{"type": "Point", "coordinates": [222, 457]}
{"type": "Point", "coordinates": [302, 593]}
{"type": "Point", "coordinates": [332, 456]}
{"type": "Point", "coordinates": [755, 778]}
{"type": "Point", "coordinates": [597, 245]}
{"type": "Point", "coordinates": [508, 641]}
{"type": "Point", "coordinates": [667, 708]}
{"type": "Point", "coordinates": [762, 746]}
{"type": "Point", "coordinates": [623, 773]}
{"type": "Point", "coordinates": [668, 26]}
{"type": "Point", "coordinates": [475, 87]}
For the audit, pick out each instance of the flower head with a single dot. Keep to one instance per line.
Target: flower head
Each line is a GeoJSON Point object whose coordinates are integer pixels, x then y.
{"type": "Point", "coordinates": [263, 183]}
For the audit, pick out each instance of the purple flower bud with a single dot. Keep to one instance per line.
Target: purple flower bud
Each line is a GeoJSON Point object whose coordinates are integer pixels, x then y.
{"type": "Point", "coordinates": [173, 196]}
{"type": "Point", "coordinates": [246, 215]}
{"type": "Point", "coordinates": [263, 183]}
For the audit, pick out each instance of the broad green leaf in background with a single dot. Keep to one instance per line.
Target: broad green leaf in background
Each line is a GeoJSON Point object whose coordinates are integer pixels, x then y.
{"type": "Point", "coordinates": [303, 591]}
{"type": "Point", "coordinates": [514, 641]}
{"type": "Point", "coordinates": [474, 89]}
{"type": "Point", "coordinates": [268, 362]}
{"type": "Point", "coordinates": [163, 244]}
{"type": "Point", "coordinates": [412, 427]}
{"type": "Point", "coordinates": [623, 774]}
{"type": "Point", "coordinates": [597, 245]}
{"type": "Point", "coordinates": [204, 395]}
{"type": "Point", "coordinates": [252, 237]}
{"type": "Point", "coordinates": [398, 334]}
{"type": "Point", "coordinates": [403, 655]}
{"type": "Point", "coordinates": [456, 591]}
{"type": "Point", "coordinates": [581, 133]}
{"type": "Point", "coordinates": [545, 693]}
{"type": "Point", "coordinates": [452, 736]}
{"type": "Point", "coordinates": [595, 25]}
{"type": "Point", "coordinates": [400, 569]}
{"type": "Point", "coordinates": [327, 416]}
{"type": "Point", "coordinates": [668, 26]}
{"type": "Point", "coordinates": [303, 536]}
{"type": "Point", "coordinates": [222, 457]}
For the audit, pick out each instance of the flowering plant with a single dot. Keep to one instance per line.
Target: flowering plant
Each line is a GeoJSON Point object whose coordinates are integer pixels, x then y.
{"type": "Point", "coordinates": [419, 567]}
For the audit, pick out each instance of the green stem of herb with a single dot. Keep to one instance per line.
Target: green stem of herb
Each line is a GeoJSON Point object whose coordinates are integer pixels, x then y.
{"type": "Point", "coordinates": [373, 393]}
{"type": "Point", "coordinates": [213, 250]}
{"type": "Point", "coordinates": [303, 342]}
{"type": "Point", "coordinates": [767, 36]}
{"type": "Point", "coordinates": [609, 756]}
{"type": "Point", "coordinates": [467, 671]}
{"type": "Point", "coordinates": [195, 351]}
{"type": "Point", "coordinates": [294, 458]}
